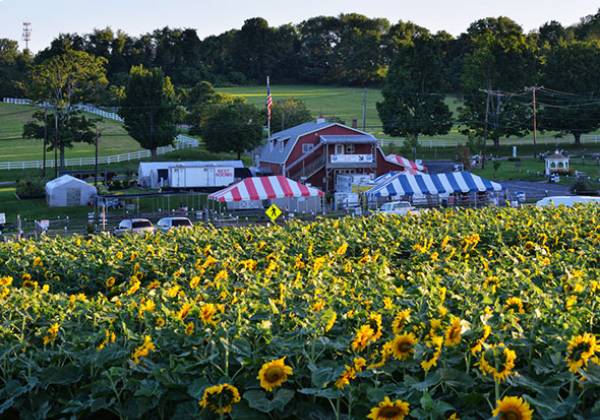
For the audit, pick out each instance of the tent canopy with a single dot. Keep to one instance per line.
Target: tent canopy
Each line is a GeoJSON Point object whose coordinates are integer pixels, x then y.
{"type": "Point", "coordinates": [264, 188]}
{"type": "Point", "coordinates": [410, 166]}
{"type": "Point", "coordinates": [424, 184]}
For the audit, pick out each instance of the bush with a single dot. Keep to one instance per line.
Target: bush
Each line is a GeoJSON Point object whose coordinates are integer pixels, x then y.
{"type": "Point", "coordinates": [31, 188]}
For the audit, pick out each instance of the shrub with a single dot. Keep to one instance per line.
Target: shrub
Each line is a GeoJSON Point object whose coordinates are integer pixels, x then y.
{"type": "Point", "coordinates": [31, 188]}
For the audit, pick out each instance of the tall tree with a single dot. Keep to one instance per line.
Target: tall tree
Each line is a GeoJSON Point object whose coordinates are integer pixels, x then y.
{"type": "Point", "coordinates": [149, 108]}
{"type": "Point", "coordinates": [502, 58]}
{"type": "Point", "coordinates": [235, 127]}
{"type": "Point", "coordinates": [289, 112]}
{"type": "Point", "coordinates": [571, 67]}
{"type": "Point", "coordinates": [412, 105]}
{"type": "Point", "coordinates": [14, 66]}
{"type": "Point", "coordinates": [62, 80]}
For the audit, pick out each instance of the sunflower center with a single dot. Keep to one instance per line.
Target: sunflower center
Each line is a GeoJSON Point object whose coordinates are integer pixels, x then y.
{"type": "Point", "coordinates": [389, 412]}
{"type": "Point", "coordinates": [580, 350]}
{"type": "Point", "coordinates": [274, 374]}
{"type": "Point", "coordinates": [510, 415]}
{"type": "Point", "coordinates": [404, 347]}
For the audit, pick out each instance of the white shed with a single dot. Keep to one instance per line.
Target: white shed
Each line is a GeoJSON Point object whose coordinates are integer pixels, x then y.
{"type": "Point", "coordinates": [68, 191]}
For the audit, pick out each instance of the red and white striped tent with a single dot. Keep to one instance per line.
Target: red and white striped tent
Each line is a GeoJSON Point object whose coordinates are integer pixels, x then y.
{"type": "Point", "coordinates": [264, 188]}
{"type": "Point", "coordinates": [411, 167]}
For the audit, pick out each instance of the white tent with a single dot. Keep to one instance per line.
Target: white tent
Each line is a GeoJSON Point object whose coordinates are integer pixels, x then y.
{"type": "Point", "coordinates": [69, 191]}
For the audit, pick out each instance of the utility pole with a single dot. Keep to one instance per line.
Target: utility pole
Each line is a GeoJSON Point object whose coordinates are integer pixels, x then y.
{"type": "Point", "coordinates": [533, 91]}
{"type": "Point", "coordinates": [97, 139]}
{"type": "Point", "coordinates": [364, 110]}
{"type": "Point", "coordinates": [45, 140]}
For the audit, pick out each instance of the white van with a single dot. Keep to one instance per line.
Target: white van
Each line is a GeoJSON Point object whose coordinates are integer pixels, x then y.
{"type": "Point", "coordinates": [568, 201]}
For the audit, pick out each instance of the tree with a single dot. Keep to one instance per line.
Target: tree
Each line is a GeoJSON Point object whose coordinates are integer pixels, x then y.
{"type": "Point", "coordinates": [73, 128]}
{"type": "Point", "coordinates": [74, 76]}
{"type": "Point", "coordinates": [14, 66]}
{"type": "Point", "coordinates": [235, 127]}
{"type": "Point", "coordinates": [501, 58]}
{"type": "Point", "coordinates": [149, 108]}
{"type": "Point", "coordinates": [289, 113]}
{"type": "Point", "coordinates": [200, 98]}
{"type": "Point", "coordinates": [411, 103]}
{"type": "Point", "coordinates": [571, 67]}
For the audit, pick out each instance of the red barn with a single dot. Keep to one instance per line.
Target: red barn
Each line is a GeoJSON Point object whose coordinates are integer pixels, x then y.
{"type": "Point", "coordinates": [315, 152]}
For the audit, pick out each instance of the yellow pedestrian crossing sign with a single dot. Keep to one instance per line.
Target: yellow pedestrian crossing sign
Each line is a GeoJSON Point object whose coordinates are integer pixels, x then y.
{"type": "Point", "coordinates": [273, 212]}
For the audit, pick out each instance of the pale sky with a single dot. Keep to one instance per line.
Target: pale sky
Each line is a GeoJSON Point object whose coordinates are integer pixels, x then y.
{"type": "Point", "coordinates": [51, 17]}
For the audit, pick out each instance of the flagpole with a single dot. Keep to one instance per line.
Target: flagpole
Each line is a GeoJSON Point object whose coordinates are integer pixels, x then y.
{"type": "Point", "coordinates": [269, 104]}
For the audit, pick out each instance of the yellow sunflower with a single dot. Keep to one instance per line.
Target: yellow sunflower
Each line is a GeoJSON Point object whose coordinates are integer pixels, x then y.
{"type": "Point", "coordinates": [390, 410]}
{"type": "Point", "coordinates": [453, 333]}
{"type": "Point", "coordinates": [512, 408]}
{"type": "Point", "coordinates": [400, 321]}
{"type": "Point", "coordinates": [515, 305]}
{"type": "Point", "coordinates": [403, 346]}
{"type": "Point", "coordinates": [581, 348]}
{"type": "Point", "coordinates": [376, 324]}
{"type": "Point", "coordinates": [207, 312]}
{"type": "Point", "coordinates": [273, 374]}
{"type": "Point", "coordinates": [435, 348]}
{"type": "Point", "coordinates": [363, 337]}
{"type": "Point", "coordinates": [220, 398]}
{"type": "Point", "coordinates": [478, 346]}
{"type": "Point", "coordinates": [507, 365]}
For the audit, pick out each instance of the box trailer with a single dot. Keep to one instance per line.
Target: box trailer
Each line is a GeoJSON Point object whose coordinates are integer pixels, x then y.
{"type": "Point", "coordinates": [200, 176]}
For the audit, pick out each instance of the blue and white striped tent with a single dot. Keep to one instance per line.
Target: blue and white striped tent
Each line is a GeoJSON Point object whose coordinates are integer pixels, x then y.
{"type": "Point", "coordinates": [426, 184]}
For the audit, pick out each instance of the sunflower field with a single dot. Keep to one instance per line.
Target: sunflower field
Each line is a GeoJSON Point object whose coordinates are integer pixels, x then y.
{"type": "Point", "coordinates": [452, 314]}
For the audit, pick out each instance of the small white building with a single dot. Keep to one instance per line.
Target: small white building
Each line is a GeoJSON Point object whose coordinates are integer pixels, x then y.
{"type": "Point", "coordinates": [557, 163]}
{"type": "Point", "coordinates": [67, 191]}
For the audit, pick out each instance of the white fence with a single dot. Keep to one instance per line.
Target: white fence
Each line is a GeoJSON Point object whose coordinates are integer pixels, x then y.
{"type": "Point", "coordinates": [181, 142]}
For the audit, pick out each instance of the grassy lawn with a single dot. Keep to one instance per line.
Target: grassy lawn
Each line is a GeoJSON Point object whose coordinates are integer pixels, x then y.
{"type": "Point", "coordinates": [115, 139]}
{"type": "Point", "coordinates": [533, 170]}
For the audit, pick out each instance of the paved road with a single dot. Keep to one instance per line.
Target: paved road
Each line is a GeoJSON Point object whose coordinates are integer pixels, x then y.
{"type": "Point", "coordinates": [536, 189]}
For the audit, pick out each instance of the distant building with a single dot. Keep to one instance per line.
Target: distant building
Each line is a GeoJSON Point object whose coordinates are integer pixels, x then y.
{"type": "Point", "coordinates": [160, 174]}
{"type": "Point", "coordinates": [316, 152]}
{"type": "Point", "coordinates": [557, 163]}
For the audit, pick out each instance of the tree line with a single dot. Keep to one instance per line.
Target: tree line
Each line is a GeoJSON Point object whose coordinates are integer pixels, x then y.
{"type": "Point", "coordinates": [166, 77]}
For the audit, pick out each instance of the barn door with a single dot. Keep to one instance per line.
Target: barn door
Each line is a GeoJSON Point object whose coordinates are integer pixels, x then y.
{"type": "Point", "coordinates": [73, 197]}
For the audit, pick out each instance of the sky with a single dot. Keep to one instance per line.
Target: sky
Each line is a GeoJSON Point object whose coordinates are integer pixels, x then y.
{"type": "Point", "coordinates": [51, 17]}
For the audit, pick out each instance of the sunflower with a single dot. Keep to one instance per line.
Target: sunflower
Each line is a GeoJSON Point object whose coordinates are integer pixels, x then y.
{"type": "Point", "coordinates": [376, 324]}
{"type": "Point", "coordinates": [389, 410]}
{"type": "Point", "coordinates": [207, 312]}
{"type": "Point", "coordinates": [403, 346]}
{"type": "Point", "coordinates": [515, 305]}
{"type": "Point", "coordinates": [347, 375]}
{"type": "Point", "coordinates": [363, 337]}
{"type": "Point", "coordinates": [453, 333]}
{"type": "Point", "coordinates": [220, 398]}
{"type": "Point", "coordinates": [400, 321]}
{"type": "Point", "coordinates": [435, 347]}
{"type": "Point", "coordinates": [581, 348]}
{"type": "Point", "coordinates": [189, 328]}
{"type": "Point", "coordinates": [513, 408]}
{"type": "Point", "coordinates": [110, 282]}
{"type": "Point", "coordinates": [499, 374]}
{"type": "Point", "coordinates": [477, 347]}
{"type": "Point", "coordinates": [273, 374]}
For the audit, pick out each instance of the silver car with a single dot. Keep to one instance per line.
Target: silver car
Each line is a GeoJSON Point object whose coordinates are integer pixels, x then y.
{"type": "Point", "coordinates": [134, 226]}
{"type": "Point", "coordinates": [167, 223]}
{"type": "Point", "coordinates": [400, 208]}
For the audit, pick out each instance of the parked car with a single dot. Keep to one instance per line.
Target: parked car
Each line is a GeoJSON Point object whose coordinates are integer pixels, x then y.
{"type": "Point", "coordinates": [167, 223]}
{"type": "Point", "coordinates": [397, 207]}
{"type": "Point", "coordinates": [568, 201]}
{"type": "Point", "coordinates": [135, 226]}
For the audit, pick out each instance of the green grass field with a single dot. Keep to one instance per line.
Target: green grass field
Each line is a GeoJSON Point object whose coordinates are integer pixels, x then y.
{"type": "Point", "coordinates": [341, 102]}
{"type": "Point", "coordinates": [115, 139]}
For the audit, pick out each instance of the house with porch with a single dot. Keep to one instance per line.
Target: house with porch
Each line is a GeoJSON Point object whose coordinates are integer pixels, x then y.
{"type": "Point", "coordinates": [317, 151]}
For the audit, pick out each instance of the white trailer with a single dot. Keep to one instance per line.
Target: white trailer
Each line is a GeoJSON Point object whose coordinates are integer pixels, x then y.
{"type": "Point", "coordinates": [200, 176]}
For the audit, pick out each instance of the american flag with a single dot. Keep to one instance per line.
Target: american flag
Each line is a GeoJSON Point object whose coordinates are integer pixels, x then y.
{"type": "Point", "coordinates": [269, 102]}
